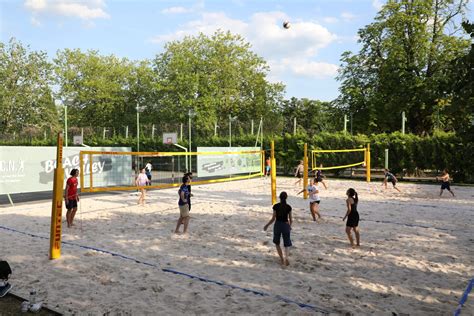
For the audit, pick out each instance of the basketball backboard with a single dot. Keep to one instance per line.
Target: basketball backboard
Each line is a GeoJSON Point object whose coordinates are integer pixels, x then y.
{"type": "Point", "coordinates": [170, 138]}
{"type": "Point", "coordinates": [78, 140]}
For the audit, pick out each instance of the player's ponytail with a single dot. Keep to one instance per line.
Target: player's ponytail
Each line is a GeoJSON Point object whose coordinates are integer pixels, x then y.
{"type": "Point", "coordinates": [283, 197]}
{"type": "Point", "coordinates": [353, 194]}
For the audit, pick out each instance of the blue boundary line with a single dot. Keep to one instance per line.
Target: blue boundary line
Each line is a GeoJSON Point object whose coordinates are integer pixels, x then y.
{"type": "Point", "coordinates": [463, 299]}
{"type": "Point", "coordinates": [202, 279]}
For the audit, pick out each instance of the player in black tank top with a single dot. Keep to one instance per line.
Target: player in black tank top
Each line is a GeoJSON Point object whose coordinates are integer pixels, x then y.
{"type": "Point", "coordinates": [283, 220]}
{"type": "Point", "coordinates": [352, 217]}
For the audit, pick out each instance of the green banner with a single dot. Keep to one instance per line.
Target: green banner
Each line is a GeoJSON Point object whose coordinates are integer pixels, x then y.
{"type": "Point", "coordinates": [31, 169]}
{"type": "Point", "coordinates": [227, 164]}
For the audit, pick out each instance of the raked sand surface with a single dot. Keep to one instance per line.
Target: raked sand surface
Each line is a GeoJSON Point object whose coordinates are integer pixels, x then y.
{"type": "Point", "coordinates": [416, 255]}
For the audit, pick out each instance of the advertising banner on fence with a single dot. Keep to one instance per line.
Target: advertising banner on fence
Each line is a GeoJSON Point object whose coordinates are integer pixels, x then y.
{"type": "Point", "coordinates": [31, 169]}
{"type": "Point", "coordinates": [227, 164]}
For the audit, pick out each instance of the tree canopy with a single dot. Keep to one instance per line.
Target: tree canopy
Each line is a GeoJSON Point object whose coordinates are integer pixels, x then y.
{"type": "Point", "coordinates": [26, 99]}
{"type": "Point", "coordinates": [402, 66]}
{"type": "Point", "coordinates": [414, 58]}
{"type": "Point", "coordinates": [217, 76]}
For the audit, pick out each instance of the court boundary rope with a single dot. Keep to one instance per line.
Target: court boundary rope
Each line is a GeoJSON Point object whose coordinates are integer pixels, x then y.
{"type": "Point", "coordinates": [464, 296]}
{"type": "Point", "coordinates": [202, 279]}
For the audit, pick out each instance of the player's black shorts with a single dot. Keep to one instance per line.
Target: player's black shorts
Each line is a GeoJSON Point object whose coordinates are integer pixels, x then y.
{"type": "Point", "coordinates": [70, 204]}
{"type": "Point", "coordinates": [445, 185]}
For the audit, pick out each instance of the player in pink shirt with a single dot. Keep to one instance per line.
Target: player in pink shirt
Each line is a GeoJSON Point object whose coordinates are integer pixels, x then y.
{"type": "Point", "coordinates": [141, 182]}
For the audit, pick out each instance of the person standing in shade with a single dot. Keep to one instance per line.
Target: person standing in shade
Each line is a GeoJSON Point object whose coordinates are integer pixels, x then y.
{"type": "Point", "coordinates": [352, 217]}
{"type": "Point", "coordinates": [283, 221]}
{"type": "Point", "coordinates": [190, 176]}
{"type": "Point", "coordinates": [141, 182]}
{"type": "Point", "coordinates": [183, 203]}
{"type": "Point", "coordinates": [268, 167]}
{"type": "Point", "coordinates": [71, 197]}
{"type": "Point", "coordinates": [299, 172]}
{"type": "Point", "coordinates": [314, 199]}
{"type": "Point", "coordinates": [319, 176]}
{"type": "Point", "coordinates": [388, 176]}
{"type": "Point", "coordinates": [148, 168]}
{"type": "Point", "coordinates": [445, 182]}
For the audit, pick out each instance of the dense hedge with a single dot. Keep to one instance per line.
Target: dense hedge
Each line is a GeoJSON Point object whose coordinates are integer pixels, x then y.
{"type": "Point", "coordinates": [407, 153]}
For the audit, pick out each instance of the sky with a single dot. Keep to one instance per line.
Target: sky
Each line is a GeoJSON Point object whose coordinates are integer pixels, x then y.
{"type": "Point", "coordinates": [305, 57]}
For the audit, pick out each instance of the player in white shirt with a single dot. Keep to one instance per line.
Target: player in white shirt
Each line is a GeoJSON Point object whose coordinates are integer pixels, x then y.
{"type": "Point", "coordinates": [314, 199]}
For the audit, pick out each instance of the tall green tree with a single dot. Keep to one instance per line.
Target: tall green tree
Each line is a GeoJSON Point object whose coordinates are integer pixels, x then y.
{"type": "Point", "coordinates": [102, 90]}
{"type": "Point", "coordinates": [25, 94]}
{"type": "Point", "coordinates": [217, 76]}
{"type": "Point", "coordinates": [459, 105]}
{"type": "Point", "coordinates": [401, 65]}
{"type": "Point", "coordinates": [312, 116]}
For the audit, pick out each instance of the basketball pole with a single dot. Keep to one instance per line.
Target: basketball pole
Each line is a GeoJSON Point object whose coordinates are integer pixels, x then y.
{"type": "Point", "coordinates": [273, 172]}
{"type": "Point", "coordinates": [57, 205]}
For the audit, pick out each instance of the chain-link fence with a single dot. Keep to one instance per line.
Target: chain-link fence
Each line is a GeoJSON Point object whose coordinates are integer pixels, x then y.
{"type": "Point", "coordinates": [224, 129]}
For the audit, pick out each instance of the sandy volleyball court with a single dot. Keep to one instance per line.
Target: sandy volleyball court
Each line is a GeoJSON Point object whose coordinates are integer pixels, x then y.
{"type": "Point", "coordinates": [416, 256]}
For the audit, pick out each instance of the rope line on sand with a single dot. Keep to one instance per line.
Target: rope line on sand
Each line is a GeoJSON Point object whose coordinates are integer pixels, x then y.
{"type": "Point", "coordinates": [463, 299]}
{"type": "Point", "coordinates": [401, 224]}
{"type": "Point", "coordinates": [202, 279]}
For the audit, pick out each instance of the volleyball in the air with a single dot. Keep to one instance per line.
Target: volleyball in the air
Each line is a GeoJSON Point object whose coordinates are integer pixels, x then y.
{"type": "Point", "coordinates": [286, 24]}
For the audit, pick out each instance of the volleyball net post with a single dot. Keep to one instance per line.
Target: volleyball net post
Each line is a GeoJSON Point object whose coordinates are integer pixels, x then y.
{"type": "Point", "coordinates": [305, 172]}
{"type": "Point", "coordinates": [57, 205]}
{"type": "Point", "coordinates": [273, 172]}
{"type": "Point", "coordinates": [365, 163]}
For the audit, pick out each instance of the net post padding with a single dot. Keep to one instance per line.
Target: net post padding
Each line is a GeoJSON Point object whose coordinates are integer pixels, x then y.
{"type": "Point", "coordinates": [273, 173]}
{"type": "Point", "coordinates": [367, 163]}
{"type": "Point", "coordinates": [57, 205]}
{"type": "Point", "coordinates": [305, 172]}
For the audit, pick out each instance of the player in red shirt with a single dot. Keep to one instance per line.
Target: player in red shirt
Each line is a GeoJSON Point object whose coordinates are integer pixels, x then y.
{"type": "Point", "coordinates": [71, 197]}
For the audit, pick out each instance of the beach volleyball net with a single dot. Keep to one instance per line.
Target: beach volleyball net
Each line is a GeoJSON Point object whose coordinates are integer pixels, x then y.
{"type": "Point", "coordinates": [331, 159]}
{"type": "Point", "coordinates": [117, 171]}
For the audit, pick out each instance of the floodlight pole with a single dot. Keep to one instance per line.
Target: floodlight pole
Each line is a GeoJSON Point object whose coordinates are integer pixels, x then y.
{"type": "Point", "coordinates": [404, 119]}
{"type": "Point", "coordinates": [345, 123]}
{"type": "Point", "coordinates": [351, 123]}
{"type": "Point", "coordinates": [189, 124]}
{"type": "Point", "coordinates": [65, 124]}
{"type": "Point", "coordinates": [191, 113]}
{"type": "Point", "coordinates": [138, 128]}
{"type": "Point", "coordinates": [230, 130]}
